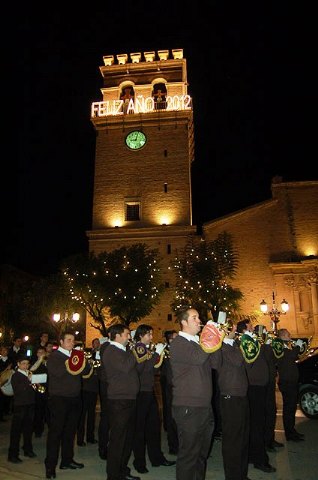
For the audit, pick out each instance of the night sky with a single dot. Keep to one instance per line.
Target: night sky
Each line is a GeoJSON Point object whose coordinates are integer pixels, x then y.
{"type": "Point", "coordinates": [251, 77]}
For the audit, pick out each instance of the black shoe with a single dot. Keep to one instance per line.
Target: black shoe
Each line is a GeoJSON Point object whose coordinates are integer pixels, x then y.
{"type": "Point", "coordinates": [301, 435]}
{"type": "Point", "coordinates": [294, 438]}
{"type": "Point", "coordinates": [14, 460]}
{"type": "Point", "coordinates": [50, 472]}
{"type": "Point", "coordinates": [164, 463]}
{"type": "Point", "coordinates": [103, 455]}
{"type": "Point", "coordinates": [93, 442]}
{"type": "Point", "coordinates": [277, 444]}
{"type": "Point", "coordinates": [30, 454]}
{"type": "Point", "coordinates": [267, 468]}
{"type": "Point", "coordinates": [71, 466]}
{"type": "Point", "coordinates": [81, 444]}
{"type": "Point", "coordinates": [141, 469]}
{"type": "Point", "coordinates": [131, 477]}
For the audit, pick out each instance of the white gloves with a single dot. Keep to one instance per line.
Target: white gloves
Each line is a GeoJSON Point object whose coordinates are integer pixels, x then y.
{"type": "Point", "coordinates": [160, 348]}
{"type": "Point", "coordinates": [299, 343]}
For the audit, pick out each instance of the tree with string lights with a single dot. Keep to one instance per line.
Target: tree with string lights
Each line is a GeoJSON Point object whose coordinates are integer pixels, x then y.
{"type": "Point", "coordinates": [120, 285]}
{"type": "Point", "coordinates": [203, 271]}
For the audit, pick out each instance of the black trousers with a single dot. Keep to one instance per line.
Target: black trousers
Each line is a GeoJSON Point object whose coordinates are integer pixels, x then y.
{"type": "Point", "coordinates": [270, 413]}
{"type": "Point", "coordinates": [235, 436]}
{"type": "Point", "coordinates": [21, 424]}
{"type": "Point", "coordinates": [87, 417]}
{"type": "Point", "coordinates": [257, 404]}
{"type": "Point", "coordinates": [172, 431]}
{"type": "Point", "coordinates": [147, 431]}
{"type": "Point", "coordinates": [290, 395]}
{"type": "Point", "coordinates": [121, 417]}
{"type": "Point", "coordinates": [64, 415]}
{"type": "Point", "coordinates": [195, 428]}
{"type": "Point", "coordinates": [103, 427]}
{"type": "Point", "coordinates": [40, 414]}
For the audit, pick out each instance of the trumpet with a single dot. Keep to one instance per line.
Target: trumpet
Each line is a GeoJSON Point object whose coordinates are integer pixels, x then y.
{"type": "Point", "coordinates": [95, 362]}
{"type": "Point", "coordinates": [38, 387]}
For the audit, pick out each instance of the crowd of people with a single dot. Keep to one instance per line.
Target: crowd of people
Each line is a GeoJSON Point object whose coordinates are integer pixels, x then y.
{"type": "Point", "coordinates": [211, 380]}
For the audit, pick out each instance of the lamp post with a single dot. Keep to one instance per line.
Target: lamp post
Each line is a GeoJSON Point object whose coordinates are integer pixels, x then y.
{"type": "Point", "coordinates": [65, 319]}
{"type": "Point", "coordinates": [274, 313]}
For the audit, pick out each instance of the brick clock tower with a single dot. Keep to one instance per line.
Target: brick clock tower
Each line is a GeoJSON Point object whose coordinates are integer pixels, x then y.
{"type": "Point", "coordinates": [144, 150]}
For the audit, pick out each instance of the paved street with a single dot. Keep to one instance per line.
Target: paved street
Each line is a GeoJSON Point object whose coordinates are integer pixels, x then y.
{"type": "Point", "coordinates": [296, 461]}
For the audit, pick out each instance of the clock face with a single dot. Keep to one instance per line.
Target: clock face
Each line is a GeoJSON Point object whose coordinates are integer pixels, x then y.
{"type": "Point", "coordinates": [135, 140]}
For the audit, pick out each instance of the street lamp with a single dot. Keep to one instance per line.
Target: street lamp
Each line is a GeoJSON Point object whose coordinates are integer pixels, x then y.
{"type": "Point", "coordinates": [274, 313]}
{"type": "Point", "coordinates": [62, 321]}
{"type": "Point", "coordinates": [57, 317]}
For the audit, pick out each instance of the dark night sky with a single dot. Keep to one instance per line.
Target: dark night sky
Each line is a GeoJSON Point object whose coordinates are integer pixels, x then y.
{"type": "Point", "coordinates": [251, 77]}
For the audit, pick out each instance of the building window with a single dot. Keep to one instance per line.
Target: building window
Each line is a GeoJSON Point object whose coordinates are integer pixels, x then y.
{"type": "Point", "coordinates": [169, 317]}
{"type": "Point", "coordinates": [169, 249]}
{"type": "Point", "coordinates": [132, 211]}
{"type": "Point", "coordinates": [165, 187]}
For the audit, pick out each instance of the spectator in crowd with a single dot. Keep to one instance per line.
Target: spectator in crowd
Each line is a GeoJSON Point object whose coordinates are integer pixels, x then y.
{"type": "Point", "coordinates": [16, 349]}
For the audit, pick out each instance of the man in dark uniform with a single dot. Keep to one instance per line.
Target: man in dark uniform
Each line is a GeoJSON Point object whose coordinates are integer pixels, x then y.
{"type": "Point", "coordinates": [148, 426]}
{"type": "Point", "coordinates": [192, 397]}
{"type": "Point", "coordinates": [65, 367]}
{"type": "Point", "coordinates": [288, 376]}
{"type": "Point", "coordinates": [122, 388]}
{"type": "Point", "coordinates": [258, 378]}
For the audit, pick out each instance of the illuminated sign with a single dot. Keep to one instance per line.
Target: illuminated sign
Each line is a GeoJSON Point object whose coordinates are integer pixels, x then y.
{"type": "Point", "coordinates": [139, 105]}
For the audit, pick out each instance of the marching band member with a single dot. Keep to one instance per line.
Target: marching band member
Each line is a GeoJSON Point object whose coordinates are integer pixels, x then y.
{"type": "Point", "coordinates": [288, 375]}
{"type": "Point", "coordinates": [23, 411]}
{"type": "Point", "coordinates": [258, 378]}
{"type": "Point", "coordinates": [270, 352]}
{"type": "Point", "coordinates": [192, 396]}
{"type": "Point", "coordinates": [90, 390]}
{"type": "Point", "coordinates": [65, 366]}
{"type": "Point", "coordinates": [103, 427]}
{"type": "Point", "coordinates": [5, 373]}
{"type": "Point", "coordinates": [169, 423]}
{"type": "Point", "coordinates": [148, 426]}
{"type": "Point", "coordinates": [234, 406]}
{"type": "Point", "coordinates": [41, 394]}
{"type": "Point", "coordinates": [122, 388]}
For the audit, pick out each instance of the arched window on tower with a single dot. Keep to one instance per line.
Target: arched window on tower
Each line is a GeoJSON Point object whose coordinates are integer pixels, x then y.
{"type": "Point", "coordinates": [159, 94]}
{"type": "Point", "coordinates": [127, 94]}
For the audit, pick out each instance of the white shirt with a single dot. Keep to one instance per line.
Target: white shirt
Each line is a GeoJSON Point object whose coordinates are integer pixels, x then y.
{"type": "Point", "coordinates": [66, 352]}
{"type": "Point", "coordinates": [190, 338]}
{"type": "Point", "coordinates": [118, 345]}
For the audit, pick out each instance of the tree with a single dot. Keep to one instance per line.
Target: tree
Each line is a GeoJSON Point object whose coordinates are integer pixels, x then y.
{"type": "Point", "coordinates": [45, 297]}
{"type": "Point", "coordinates": [124, 284]}
{"type": "Point", "coordinates": [203, 271]}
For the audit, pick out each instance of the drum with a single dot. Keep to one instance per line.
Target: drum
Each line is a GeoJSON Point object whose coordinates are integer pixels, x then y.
{"type": "Point", "coordinates": [6, 387]}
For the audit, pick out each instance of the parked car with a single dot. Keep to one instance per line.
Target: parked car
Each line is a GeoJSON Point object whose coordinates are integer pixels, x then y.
{"type": "Point", "coordinates": [308, 383]}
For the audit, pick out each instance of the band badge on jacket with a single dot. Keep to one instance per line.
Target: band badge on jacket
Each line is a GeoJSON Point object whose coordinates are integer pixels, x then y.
{"type": "Point", "coordinates": [250, 348]}
{"type": "Point", "coordinates": [278, 347]}
{"type": "Point", "coordinates": [141, 352]}
{"type": "Point", "coordinates": [75, 364]}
